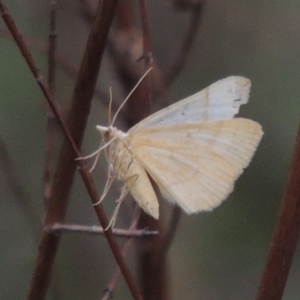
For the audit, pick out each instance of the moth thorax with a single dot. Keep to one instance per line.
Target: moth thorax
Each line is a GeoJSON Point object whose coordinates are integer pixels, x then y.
{"type": "Point", "coordinates": [120, 157]}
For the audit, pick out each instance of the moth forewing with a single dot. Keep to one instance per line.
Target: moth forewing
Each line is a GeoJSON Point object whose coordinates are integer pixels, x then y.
{"type": "Point", "coordinates": [219, 101]}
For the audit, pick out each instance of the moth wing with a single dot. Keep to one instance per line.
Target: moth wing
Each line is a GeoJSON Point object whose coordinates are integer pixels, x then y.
{"type": "Point", "coordinates": [219, 101]}
{"type": "Point", "coordinates": [195, 165]}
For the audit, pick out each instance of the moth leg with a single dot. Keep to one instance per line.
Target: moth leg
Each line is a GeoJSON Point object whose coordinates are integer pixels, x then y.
{"type": "Point", "coordinates": [95, 162]}
{"type": "Point", "coordinates": [110, 178]}
{"type": "Point", "coordinates": [96, 153]}
{"type": "Point", "coordinates": [125, 191]}
{"type": "Point", "coordinates": [119, 201]}
{"type": "Point", "coordinates": [109, 181]}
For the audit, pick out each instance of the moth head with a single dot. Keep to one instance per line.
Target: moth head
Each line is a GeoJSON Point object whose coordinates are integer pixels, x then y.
{"type": "Point", "coordinates": [106, 132]}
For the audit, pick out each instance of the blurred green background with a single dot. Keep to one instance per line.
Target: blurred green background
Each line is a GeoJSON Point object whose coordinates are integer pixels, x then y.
{"type": "Point", "coordinates": [218, 255]}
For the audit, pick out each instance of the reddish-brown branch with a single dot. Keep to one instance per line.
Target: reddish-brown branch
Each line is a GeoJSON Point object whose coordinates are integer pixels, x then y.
{"type": "Point", "coordinates": [52, 48]}
{"type": "Point", "coordinates": [285, 237]}
{"type": "Point", "coordinates": [147, 57]}
{"type": "Point", "coordinates": [153, 274]}
{"type": "Point", "coordinates": [166, 240]}
{"type": "Point", "coordinates": [140, 103]}
{"type": "Point", "coordinates": [66, 167]}
{"type": "Point", "coordinates": [117, 272]}
{"type": "Point", "coordinates": [146, 35]}
{"type": "Point", "coordinates": [153, 268]}
{"type": "Point", "coordinates": [50, 116]}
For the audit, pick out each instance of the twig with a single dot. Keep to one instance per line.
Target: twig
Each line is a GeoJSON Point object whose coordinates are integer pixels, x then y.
{"type": "Point", "coordinates": [52, 48]}
{"type": "Point", "coordinates": [147, 55]}
{"type": "Point", "coordinates": [116, 274]}
{"type": "Point", "coordinates": [127, 50]}
{"type": "Point", "coordinates": [285, 237]}
{"type": "Point", "coordinates": [125, 233]}
{"type": "Point", "coordinates": [50, 115]}
{"type": "Point", "coordinates": [154, 266]}
{"type": "Point", "coordinates": [153, 276]}
{"type": "Point", "coordinates": [166, 240]}
{"type": "Point", "coordinates": [66, 167]}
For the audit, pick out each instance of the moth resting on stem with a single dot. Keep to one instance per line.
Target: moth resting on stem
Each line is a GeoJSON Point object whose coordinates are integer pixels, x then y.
{"type": "Point", "coordinates": [194, 150]}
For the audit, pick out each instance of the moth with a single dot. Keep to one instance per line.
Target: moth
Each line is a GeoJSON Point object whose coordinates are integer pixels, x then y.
{"type": "Point", "coordinates": [194, 150]}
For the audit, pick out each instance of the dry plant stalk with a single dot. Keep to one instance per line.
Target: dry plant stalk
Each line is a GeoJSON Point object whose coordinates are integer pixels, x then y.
{"type": "Point", "coordinates": [285, 237]}
{"type": "Point", "coordinates": [84, 89]}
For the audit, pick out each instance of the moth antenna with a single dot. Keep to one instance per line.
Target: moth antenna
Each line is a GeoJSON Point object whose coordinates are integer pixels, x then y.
{"type": "Point", "coordinates": [88, 156]}
{"type": "Point", "coordinates": [129, 95]}
{"type": "Point", "coordinates": [97, 152]}
{"type": "Point", "coordinates": [109, 106]}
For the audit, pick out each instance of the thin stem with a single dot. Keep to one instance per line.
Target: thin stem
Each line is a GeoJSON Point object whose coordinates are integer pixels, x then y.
{"type": "Point", "coordinates": [147, 55]}
{"type": "Point", "coordinates": [168, 236]}
{"type": "Point", "coordinates": [124, 233]}
{"type": "Point", "coordinates": [153, 274]}
{"type": "Point", "coordinates": [285, 237]}
{"type": "Point", "coordinates": [125, 250]}
{"type": "Point", "coordinates": [50, 116]}
{"type": "Point", "coordinates": [52, 48]}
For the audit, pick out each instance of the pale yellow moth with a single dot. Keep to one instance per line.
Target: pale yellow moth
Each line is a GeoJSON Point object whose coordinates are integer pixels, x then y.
{"type": "Point", "coordinates": [194, 150]}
